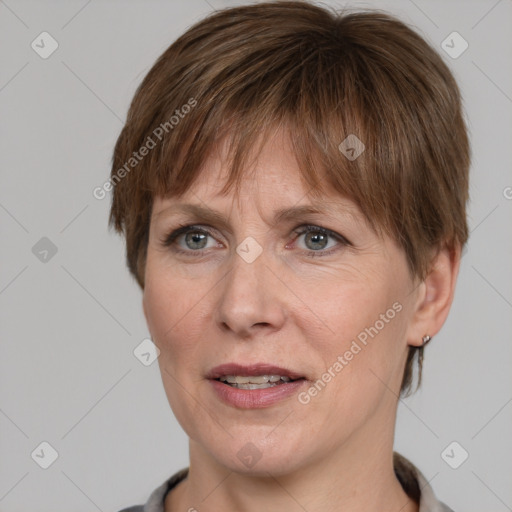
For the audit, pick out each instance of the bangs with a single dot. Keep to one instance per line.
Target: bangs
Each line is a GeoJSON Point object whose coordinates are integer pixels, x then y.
{"type": "Point", "coordinates": [371, 111]}
{"type": "Point", "coordinates": [315, 106]}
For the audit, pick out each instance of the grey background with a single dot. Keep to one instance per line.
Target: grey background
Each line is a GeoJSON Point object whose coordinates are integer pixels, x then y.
{"type": "Point", "coordinates": [69, 325]}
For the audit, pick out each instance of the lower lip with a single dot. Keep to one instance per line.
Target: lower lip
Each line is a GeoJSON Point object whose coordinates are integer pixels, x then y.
{"type": "Point", "coordinates": [255, 398]}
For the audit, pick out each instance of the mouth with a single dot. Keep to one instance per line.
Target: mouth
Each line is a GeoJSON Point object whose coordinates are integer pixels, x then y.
{"type": "Point", "coordinates": [255, 381]}
{"type": "Point", "coordinates": [263, 374]}
{"type": "Point", "coordinates": [254, 386]}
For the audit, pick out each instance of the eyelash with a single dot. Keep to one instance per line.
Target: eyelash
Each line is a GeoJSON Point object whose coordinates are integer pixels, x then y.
{"type": "Point", "coordinates": [169, 239]}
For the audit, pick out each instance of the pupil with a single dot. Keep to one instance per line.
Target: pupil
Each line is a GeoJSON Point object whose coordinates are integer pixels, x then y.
{"type": "Point", "coordinates": [198, 240]}
{"type": "Point", "coordinates": [316, 238]}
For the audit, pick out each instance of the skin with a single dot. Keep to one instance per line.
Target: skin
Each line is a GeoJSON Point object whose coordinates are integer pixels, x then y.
{"type": "Point", "coordinates": [294, 310]}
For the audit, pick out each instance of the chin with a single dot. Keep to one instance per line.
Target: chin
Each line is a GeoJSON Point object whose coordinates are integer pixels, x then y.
{"type": "Point", "coordinates": [276, 464]}
{"type": "Point", "coordinates": [254, 452]}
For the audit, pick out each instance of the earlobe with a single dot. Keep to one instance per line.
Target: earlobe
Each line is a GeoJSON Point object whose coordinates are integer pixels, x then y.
{"type": "Point", "coordinates": [435, 298]}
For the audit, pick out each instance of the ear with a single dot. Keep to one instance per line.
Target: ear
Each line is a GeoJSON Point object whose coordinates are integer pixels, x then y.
{"type": "Point", "coordinates": [435, 296]}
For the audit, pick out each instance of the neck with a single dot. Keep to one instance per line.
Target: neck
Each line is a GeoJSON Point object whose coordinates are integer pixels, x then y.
{"type": "Point", "coordinates": [357, 476]}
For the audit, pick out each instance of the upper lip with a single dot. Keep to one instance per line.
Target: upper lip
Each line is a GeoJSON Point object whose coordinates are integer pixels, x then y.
{"type": "Point", "coordinates": [251, 370]}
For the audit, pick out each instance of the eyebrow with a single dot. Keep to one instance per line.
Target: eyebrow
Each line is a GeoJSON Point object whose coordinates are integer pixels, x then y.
{"type": "Point", "coordinates": [282, 215]}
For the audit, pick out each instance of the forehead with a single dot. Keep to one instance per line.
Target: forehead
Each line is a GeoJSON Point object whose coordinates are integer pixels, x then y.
{"type": "Point", "coordinates": [270, 178]}
{"type": "Point", "coordinates": [272, 181]}
{"type": "Point", "coordinates": [273, 188]}
{"type": "Point", "coordinates": [269, 165]}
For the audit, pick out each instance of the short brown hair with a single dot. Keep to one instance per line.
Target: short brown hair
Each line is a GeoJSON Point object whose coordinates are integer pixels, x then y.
{"type": "Point", "coordinates": [322, 76]}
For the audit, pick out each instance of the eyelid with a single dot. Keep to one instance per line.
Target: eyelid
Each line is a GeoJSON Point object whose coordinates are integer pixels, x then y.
{"type": "Point", "coordinates": [169, 239]}
{"type": "Point", "coordinates": [306, 228]}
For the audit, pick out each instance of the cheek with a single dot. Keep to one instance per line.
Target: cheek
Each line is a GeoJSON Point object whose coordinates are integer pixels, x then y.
{"type": "Point", "coordinates": [360, 360]}
{"type": "Point", "coordinates": [170, 305]}
{"type": "Point", "coordinates": [347, 307]}
{"type": "Point", "coordinates": [171, 313]}
{"type": "Point", "coordinates": [365, 331]}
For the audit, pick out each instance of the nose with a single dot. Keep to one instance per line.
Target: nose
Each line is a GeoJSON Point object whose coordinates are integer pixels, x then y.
{"type": "Point", "coordinates": [251, 298]}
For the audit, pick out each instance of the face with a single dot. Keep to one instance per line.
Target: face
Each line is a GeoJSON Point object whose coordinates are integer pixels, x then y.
{"type": "Point", "coordinates": [258, 284]}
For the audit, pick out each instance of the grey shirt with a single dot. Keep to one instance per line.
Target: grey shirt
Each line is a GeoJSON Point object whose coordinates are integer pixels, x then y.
{"type": "Point", "coordinates": [412, 480]}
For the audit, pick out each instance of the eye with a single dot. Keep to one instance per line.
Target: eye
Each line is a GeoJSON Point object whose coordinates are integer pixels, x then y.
{"type": "Point", "coordinates": [320, 240]}
{"type": "Point", "coordinates": [189, 239]}
{"type": "Point", "coordinates": [194, 240]}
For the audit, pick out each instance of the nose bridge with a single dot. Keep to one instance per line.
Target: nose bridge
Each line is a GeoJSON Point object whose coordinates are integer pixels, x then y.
{"type": "Point", "coordinates": [247, 297]}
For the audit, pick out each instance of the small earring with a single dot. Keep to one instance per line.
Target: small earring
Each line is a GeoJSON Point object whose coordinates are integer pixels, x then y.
{"type": "Point", "coordinates": [426, 339]}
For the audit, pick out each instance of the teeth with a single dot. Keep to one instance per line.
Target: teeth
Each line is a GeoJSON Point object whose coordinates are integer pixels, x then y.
{"type": "Point", "coordinates": [255, 386]}
{"type": "Point", "coordinates": [254, 379]}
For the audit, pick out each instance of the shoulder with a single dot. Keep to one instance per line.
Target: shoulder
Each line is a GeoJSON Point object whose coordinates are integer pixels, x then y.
{"type": "Point", "coordinates": [155, 502]}
{"type": "Point", "coordinates": [417, 486]}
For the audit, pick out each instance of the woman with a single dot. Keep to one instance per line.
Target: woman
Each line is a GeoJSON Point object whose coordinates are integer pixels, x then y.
{"type": "Point", "coordinates": [292, 186]}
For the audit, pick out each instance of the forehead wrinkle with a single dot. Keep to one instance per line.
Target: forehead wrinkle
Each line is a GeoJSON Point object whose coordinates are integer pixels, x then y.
{"type": "Point", "coordinates": [282, 215]}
